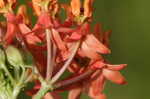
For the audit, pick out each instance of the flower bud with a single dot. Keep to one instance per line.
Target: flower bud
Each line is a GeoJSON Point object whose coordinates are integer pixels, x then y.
{"type": "Point", "coordinates": [14, 56]}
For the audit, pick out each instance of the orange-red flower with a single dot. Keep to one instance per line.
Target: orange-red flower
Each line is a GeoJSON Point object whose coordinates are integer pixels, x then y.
{"type": "Point", "coordinates": [58, 45]}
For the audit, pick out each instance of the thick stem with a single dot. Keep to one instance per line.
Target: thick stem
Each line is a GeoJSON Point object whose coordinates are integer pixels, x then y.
{"type": "Point", "coordinates": [16, 71]}
{"type": "Point", "coordinates": [49, 56]}
{"type": "Point", "coordinates": [62, 70]}
{"type": "Point", "coordinates": [16, 92]}
{"type": "Point", "coordinates": [74, 80]}
{"type": "Point", "coordinates": [41, 93]}
{"type": "Point", "coordinates": [22, 75]}
{"type": "Point", "coordinates": [8, 73]}
{"type": "Point", "coordinates": [53, 59]}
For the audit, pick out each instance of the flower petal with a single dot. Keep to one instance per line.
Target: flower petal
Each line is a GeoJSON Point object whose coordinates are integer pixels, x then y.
{"type": "Point", "coordinates": [75, 36]}
{"type": "Point", "coordinates": [116, 67]}
{"type": "Point", "coordinates": [114, 76]}
{"type": "Point", "coordinates": [44, 21]}
{"type": "Point", "coordinates": [97, 86]}
{"type": "Point", "coordinates": [98, 64]}
{"type": "Point", "coordinates": [65, 30]}
{"type": "Point", "coordinates": [106, 37]}
{"type": "Point", "coordinates": [31, 38]}
{"type": "Point", "coordinates": [100, 96]}
{"type": "Point", "coordinates": [75, 93]}
{"type": "Point", "coordinates": [10, 34]}
{"type": "Point", "coordinates": [96, 45]}
{"type": "Point", "coordinates": [52, 95]}
{"type": "Point", "coordinates": [98, 31]}
{"type": "Point", "coordinates": [87, 51]}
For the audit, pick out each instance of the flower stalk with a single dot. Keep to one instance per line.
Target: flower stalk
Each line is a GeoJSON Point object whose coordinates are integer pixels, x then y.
{"type": "Point", "coordinates": [49, 55]}
{"type": "Point", "coordinates": [44, 89]}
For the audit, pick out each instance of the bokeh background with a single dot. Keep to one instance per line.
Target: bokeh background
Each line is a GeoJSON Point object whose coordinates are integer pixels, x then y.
{"type": "Point", "coordinates": [130, 23]}
{"type": "Point", "coordinates": [130, 43]}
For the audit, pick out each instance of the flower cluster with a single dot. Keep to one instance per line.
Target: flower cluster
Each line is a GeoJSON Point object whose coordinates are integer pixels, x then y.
{"type": "Point", "coordinates": [56, 46]}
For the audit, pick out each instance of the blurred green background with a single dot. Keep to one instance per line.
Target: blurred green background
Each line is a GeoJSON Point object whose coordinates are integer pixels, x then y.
{"type": "Point", "coordinates": [130, 22]}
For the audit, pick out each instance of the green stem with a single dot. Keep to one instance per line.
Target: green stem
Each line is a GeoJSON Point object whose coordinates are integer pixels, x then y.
{"type": "Point", "coordinates": [22, 75]}
{"type": "Point", "coordinates": [40, 94]}
{"type": "Point", "coordinates": [8, 73]}
{"type": "Point", "coordinates": [49, 54]}
{"type": "Point", "coordinates": [16, 70]}
{"type": "Point", "coordinates": [16, 92]}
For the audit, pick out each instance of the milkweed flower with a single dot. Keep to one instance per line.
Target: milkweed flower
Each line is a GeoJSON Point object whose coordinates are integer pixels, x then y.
{"type": "Point", "coordinates": [58, 46]}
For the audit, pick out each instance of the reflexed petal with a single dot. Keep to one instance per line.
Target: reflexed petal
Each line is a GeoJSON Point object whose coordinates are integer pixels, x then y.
{"type": "Point", "coordinates": [67, 23]}
{"type": "Point", "coordinates": [48, 96]}
{"type": "Point", "coordinates": [114, 76]}
{"type": "Point", "coordinates": [74, 67]}
{"type": "Point", "coordinates": [52, 95]}
{"type": "Point", "coordinates": [44, 21]}
{"type": "Point", "coordinates": [56, 23]}
{"type": "Point", "coordinates": [100, 96]}
{"type": "Point", "coordinates": [98, 31]}
{"type": "Point", "coordinates": [65, 30]}
{"type": "Point", "coordinates": [88, 51]}
{"type": "Point", "coordinates": [116, 67]}
{"type": "Point", "coordinates": [68, 52]}
{"type": "Point", "coordinates": [98, 64]}
{"type": "Point", "coordinates": [10, 34]}
{"type": "Point", "coordinates": [97, 86]}
{"type": "Point", "coordinates": [75, 36]}
{"type": "Point", "coordinates": [75, 93]}
{"type": "Point", "coordinates": [106, 37]}
{"type": "Point", "coordinates": [96, 45]}
{"type": "Point", "coordinates": [31, 39]}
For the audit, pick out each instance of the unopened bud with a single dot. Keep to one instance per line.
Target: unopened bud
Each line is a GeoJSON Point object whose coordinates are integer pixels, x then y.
{"type": "Point", "coordinates": [14, 56]}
